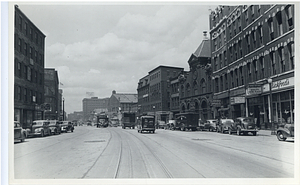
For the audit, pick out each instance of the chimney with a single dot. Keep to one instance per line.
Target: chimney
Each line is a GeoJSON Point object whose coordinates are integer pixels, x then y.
{"type": "Point", "coordinates": [113, 92]}
{"type": "Point", "coordinates": [205, 35]}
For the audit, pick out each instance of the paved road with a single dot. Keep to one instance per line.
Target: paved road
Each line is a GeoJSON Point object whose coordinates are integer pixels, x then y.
{"type": "Point", "coordinates": [97, 153]}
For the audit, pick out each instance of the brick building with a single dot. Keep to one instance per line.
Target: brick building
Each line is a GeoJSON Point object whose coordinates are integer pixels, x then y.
{"type": "Point", "coordinates": [29, 49]}
{"type": "Point", "coordinates": [253, 50]}
{"type": "Point", "coordinates": [52, 95]}
{"type": "Point", "coordinates": [90, 104]}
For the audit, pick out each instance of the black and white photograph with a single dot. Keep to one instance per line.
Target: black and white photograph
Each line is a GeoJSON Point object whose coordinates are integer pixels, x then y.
{"type": "Point", "coordinates": [152, 92]}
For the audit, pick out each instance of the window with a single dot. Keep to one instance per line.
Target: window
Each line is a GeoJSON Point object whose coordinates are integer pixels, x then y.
{"type": "Point", "coordinates": [229, 28]}
{"type": "Point", "coordinates": [281, 58]}
{"type": "Point", "coordinates": [291, 55]}
{"type": "Point", "coordinates": [20, 45]}
{"type": "Point", "coordinates": [25, 49]}
{"type": "Point", "coordinates": [29, 76]}
{"type": "Point", "coordinates": [225, 58]}
{"type": "Point", "coordinates": [231, 79]}
{"type": "Point", "coordinates": [271, 29]}
{"type": "Point", "coordinates": [241, 75]}
{"type": "Point", "coordinates": [241, 49]}
{"type": "Point", "coordinates": [35, 56]}
{"type": "Point", "coordinates": [221, 83]}
{"type": "Point", "coordinates": [220, 58]}
{"type": "Point", "coordinates": [19, 69]}
{"type": "Point", "coordinates": [234, 27]}
{"type": "Point", "coordinates": [18, 93]}
{"type": "Point", "coordinates": [279, 23]}
{"type": "Point", "coordinates": [30, 52]}
{"type": "Point", "coordinates": [231, 54]}
{"type": "Point", "coordinates": [252, 11]}
{"type": "Point", "coordinates": [289, 15]}
{"type": "Point", "coordinates": [226, 81]}
{"type": "Point", "coordinates": [262, 67]}
{"type": "Point", "coordinates": [239, 24]}
{"type": "Point", "coordinates": [36, 37]}
{"type": "Point", "coordinates": [249, 72]}
{"type": "Point", "coordinates": [26, 28]}
{"type": "Point", "coordinates": [248, 43]}
{"type": "Point", "coordinates": [30, 96]}
{"type": "Point", "coordinates": [20, 23]}
{"type": "Point", "coordinates": [217, 84]}
{"type": "Point", "coordinates": [30, 33]}
{"type": "Point", "coordinates": [273, 62]}
{"type": "Point", "coordinates": [258, 9]}
{"type": "Point", "coordinates": [235, 52]}
{"type": "Point", "coordinates": [25, 72]}
{"type": "Point", "coordinates": [260, 33]}
{"type": "Point", "coordinates": [254, 38]}
{"type": "Point", "coordinates": [255, 70]}
{"type": "Point", "coordinates": [25, 95]}
{"type": "Point", "coordinates": [236, 76]}
{"type": "Point", "coordinates": [246, 16]}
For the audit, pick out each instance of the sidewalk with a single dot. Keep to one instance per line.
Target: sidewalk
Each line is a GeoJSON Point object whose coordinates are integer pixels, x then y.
{"type": "Point", "coordinates": [265, 132]}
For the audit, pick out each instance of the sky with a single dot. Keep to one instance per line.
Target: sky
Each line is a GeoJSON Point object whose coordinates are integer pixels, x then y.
{"type": "Point", "coordinates": [100, 47]}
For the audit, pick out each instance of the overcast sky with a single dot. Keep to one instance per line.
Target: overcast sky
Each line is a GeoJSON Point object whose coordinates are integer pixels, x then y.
{"type": "Point", "coordinates": [104, 47]}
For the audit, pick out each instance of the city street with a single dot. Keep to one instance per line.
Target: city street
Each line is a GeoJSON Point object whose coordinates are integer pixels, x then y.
{"type": "Point", "coordinates": [113, 152]}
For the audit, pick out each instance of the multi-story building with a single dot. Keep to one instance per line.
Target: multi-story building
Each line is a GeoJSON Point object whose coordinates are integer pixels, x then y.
{"type": "Point", "coordinates": [153, 92]}
{"type": "Point", "coordinates": [253, 61]}
{"type": "Point", "coordinates": [29, 49]}
{"type": "Point", "coordinates": [124, 102]}
{"type": "Point", "coordinates": [195, 86]}
{"type": "Point", "coordinates": [51, 94]}
{"type": "Point", "coordinates": [90, 104]}
{"type": "Point", "coordinates": [76, 115]}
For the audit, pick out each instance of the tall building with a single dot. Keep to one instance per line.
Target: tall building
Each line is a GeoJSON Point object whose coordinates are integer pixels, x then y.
{"type": "Point", "coordinates": [90, 104]}
{"type": "Point", "coordinates": [195, 89]}
{"type": "Point", "coordinates": [253, 61]}
{"type": "Point", "coordinates": [51, 95]}
{"type": "Point", "coordinates": [29, 49]}
{"type": "Point", "coordinates": [153, 93]}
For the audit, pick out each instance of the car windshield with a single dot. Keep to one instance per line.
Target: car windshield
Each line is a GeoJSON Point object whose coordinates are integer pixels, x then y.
{"type": "Point", "coordinates": [52, 123]}
{"type": "Point", "coordinates": [38, 123]}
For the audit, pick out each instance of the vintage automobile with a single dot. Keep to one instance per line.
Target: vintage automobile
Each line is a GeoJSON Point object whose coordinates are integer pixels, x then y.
{"type": "Point", "coordinates": [186, 121]}
{"type": "Point", "coordinates": [55, 127]}
{"type": "Point", "coordinates": [19, 133]}
{"type": "Point", "coordinates": [210, 125]}
{"type": "Point", "coordinates": [223, 125]}
{"type": "Point", "coordinates": [66, 126]}
{"type": "Point", "coordinates": [285, 131]}
{"type": "Point", "coordinates": [243, 125]}
{"type": "Point", "coordinates": [39, 128]}
{"type": "Point", "coordinates": [146, 123]}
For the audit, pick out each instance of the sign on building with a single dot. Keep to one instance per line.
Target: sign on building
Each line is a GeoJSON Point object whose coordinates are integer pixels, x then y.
{"type": "Point", "coordinates": [237, 100]}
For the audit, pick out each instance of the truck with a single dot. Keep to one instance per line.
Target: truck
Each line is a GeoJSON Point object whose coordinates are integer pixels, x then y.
{"type": "Point", "coordinates": [128, 120]}
{"type": "Point", "coordinates": [186, 121]}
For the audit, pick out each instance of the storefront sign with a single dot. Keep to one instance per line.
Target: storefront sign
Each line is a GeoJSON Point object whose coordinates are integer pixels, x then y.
{"type": "Point", "coordinates": [220, 96]}
{"type": "Point", "coordinates": [237, 92]}
{"type": "Point", "coordinates": [216, 103]}
{"type": "Point", "coordinates": [253, 91]}
{"type": "Point", "coordinates": [283, 83]}
{"type": "Point", "coordinates": [237, 100]}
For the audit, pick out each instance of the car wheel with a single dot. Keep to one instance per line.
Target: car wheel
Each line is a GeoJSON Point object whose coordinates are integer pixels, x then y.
{"type": "Point", "coordinates": [254, 133]}
{"type": "Point", "coordinates": [229, 131]}
{"type": "Point", "coordinates": [42, 134]}
{"type": "Point", "coordinates": [238, 132]}
{"type": "Point", "coordinates": [280, 136]}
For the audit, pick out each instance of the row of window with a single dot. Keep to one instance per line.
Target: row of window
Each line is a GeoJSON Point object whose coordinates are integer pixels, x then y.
{"type": "Point", "coordinates": [27, 30]}
{"type": "Point", "coordinates": [257, 70]}
{"type": "Point", "coordinates": [27, 95]}
{"type": "Point", "coordinates": [28, 73]}
{"type": "Point", "coordinates": [194, 90]}
{"type": "Point", "coordinates": [29, 51]}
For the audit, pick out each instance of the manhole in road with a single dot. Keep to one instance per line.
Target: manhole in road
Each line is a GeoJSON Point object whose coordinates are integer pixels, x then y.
{"type": "Point", "coordinates": [95, 141]}
{"type": "Point", "coordinates": [197, 139]}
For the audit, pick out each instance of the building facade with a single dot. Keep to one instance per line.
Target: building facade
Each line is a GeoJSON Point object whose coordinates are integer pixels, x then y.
{"type": "Point", "coordinates": [195, 88]}
{"type": "Point", "coordinates": [29, 49]}
{"type": "Point", "coordinates": [253, 62]}
{"type": "Point", "coordinates": [90, 104]}
{"type": "Point", "coordinates": [51, 94]}
{"type": "Point", "coordinates": [153, 89]}
{"type": "Point", "coordinates": [122, 102]}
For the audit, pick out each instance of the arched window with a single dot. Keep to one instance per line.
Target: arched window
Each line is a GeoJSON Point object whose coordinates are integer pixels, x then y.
{"type": "Point", "coordinates": [182, 91]}
{"type": "Point", "coordinates": [195, 86]}
{"type": "Point", "coordinates": [188, 89]}
{"type": "Point", "coordinates": [203, 85]}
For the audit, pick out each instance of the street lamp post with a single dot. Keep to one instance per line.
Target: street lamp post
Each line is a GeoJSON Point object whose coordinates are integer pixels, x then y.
{"type": "Point", "coordinates": [63, 109]}
{"type": "Point", "coordinates": [271, 107]}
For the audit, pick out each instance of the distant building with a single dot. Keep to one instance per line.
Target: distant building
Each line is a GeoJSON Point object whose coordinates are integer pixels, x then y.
{"type": "Point", "coordinates": [76, 115]}
{"type": "Point", "coordinates": [124, 102]}
{"type": "Point", "coordinates": [253, 61]}
{"type": "Point", "coordinates": [51, 94]}
{"type": "Point", "coordinates": [153, 92]}
{"type": "Point", "coordinates": [29, 49]}
{"type": "Point", "coordinates": [90, 104]}
{"type": "Point", "coordinates": [195, 86]}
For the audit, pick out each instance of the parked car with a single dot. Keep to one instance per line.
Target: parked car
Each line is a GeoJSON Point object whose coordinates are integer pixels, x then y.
{"type": "Point", "coordinates": [210, 125]}
{"type": "Point", "coordinates": [66, 126]}
{"type": "Point", "coordinates": [285, 131]}
{"type": "Point", "coordinates": [161, 124]}
{"type": "Point", "coordinates": [39, 128]}
{"type": "Point", "coordinates": [224, 124]}
{"type": "Point", "coordinates": [146, 123]}
{"type": "Point", "coordinates": [170, 124]}
{"type": "Point", "coordinates": [243, 125]}
{"type": "Point", "coordinates": [19, 132]}
{"type": "Point", "coordinates": [55, 127]}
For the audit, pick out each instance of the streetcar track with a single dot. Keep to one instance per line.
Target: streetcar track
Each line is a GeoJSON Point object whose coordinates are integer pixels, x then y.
{"type": "Point", "coordinates": [177, 157]}
{"type": "Point", "coordinates": [120, 156]}
{"type": "Point", "coordinates": [160, 162]}
{"type": "Point", "coordinates": [84, 175]}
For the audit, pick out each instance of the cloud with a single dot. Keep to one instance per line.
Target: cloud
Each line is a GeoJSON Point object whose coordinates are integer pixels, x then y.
{"type": "Point", "coordinates": [137, 43]}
